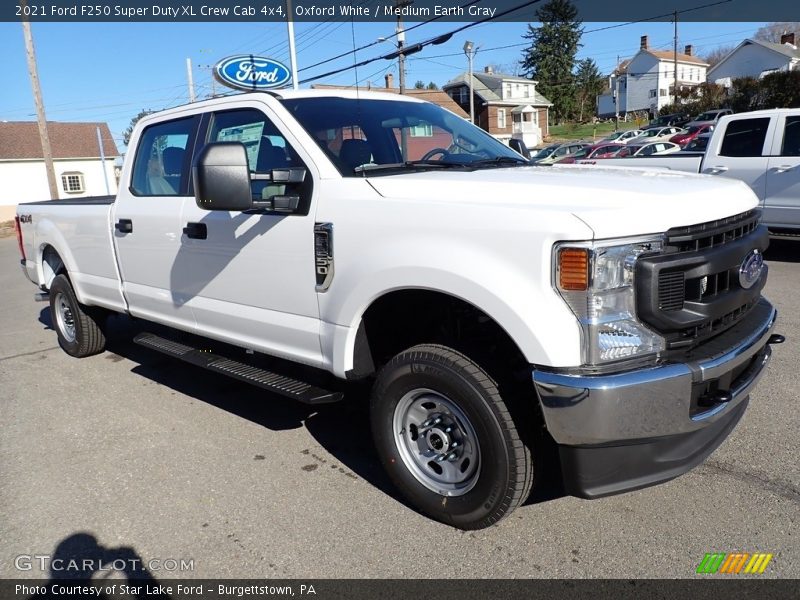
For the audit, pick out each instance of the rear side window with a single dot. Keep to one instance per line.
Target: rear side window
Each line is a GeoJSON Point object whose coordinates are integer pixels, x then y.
{"type": "Point", "coordinates": [161, 167]}
{"type": "Point", "coordinates": [791, 137]}
{"type": "Point", "coordinates": [745, 137]}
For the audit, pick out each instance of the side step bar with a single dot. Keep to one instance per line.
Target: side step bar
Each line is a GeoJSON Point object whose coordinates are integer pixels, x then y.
{"type": "Point", "coordinates": [278, 384]}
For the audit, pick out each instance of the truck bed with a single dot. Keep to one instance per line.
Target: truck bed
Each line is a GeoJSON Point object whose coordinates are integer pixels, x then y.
{"type": "Point", "coordinates": [89, 200]}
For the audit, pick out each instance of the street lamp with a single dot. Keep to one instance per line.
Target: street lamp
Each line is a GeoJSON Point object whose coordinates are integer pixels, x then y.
{"type": "Point", "coordinates": [469, 50]}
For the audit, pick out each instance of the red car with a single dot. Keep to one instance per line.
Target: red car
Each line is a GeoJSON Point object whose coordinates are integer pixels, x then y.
{"type": "Point", "coordinates": [691, 132]}
{"type": "Point", "coordinates": [602, 150]}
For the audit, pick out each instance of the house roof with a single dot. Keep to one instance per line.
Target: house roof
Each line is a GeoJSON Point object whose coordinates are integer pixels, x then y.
{"type": "Point", "coordinates": [435, 96]}
{"type": "Point", "coordinates": [670, 55]}
{"type": "Point", "coordinates": [19, 140]}
{"type": "Point", "coordinates": [488, 85]}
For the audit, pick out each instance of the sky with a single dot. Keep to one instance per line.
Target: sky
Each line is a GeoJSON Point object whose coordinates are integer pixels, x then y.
{"type": "Point", "coordinates": [110, 71]}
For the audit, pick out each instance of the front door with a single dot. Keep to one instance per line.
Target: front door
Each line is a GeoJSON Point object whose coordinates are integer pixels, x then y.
{"type": "Point", "coordinates": [250, 278]}
{"type": "Point", "coordinates": [782, 201]}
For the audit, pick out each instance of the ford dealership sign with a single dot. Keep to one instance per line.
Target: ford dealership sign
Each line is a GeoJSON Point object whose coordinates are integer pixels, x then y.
{"type": "Point", "coordinates": [248, 72]}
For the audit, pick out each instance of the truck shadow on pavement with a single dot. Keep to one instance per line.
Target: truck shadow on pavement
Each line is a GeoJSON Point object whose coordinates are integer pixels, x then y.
{"type": "Point", "coordinates": [783, 251]}
{"type": "Point", "coordinates": [342, 429]}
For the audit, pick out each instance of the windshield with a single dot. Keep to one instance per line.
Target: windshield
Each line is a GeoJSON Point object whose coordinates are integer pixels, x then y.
{"type": "Point", "coordinates": [545, 152]}
{"type": "Point", "coordinates": [707, 116]}
{"type": "Point", "coordinates": [361, 136]}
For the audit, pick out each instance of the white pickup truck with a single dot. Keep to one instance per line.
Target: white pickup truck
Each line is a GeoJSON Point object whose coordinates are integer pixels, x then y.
{"type": "Point", "coordinates": [761, 148]}
{"type": "Point", "coordinates": [494, 307]}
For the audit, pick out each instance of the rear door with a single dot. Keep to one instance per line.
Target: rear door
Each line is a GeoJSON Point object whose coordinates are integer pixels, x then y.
{"type": "Point", "coordinates": [147, 226]}
{"type": "Point", "coordinates": [782, 201]}
{"type": "Point", "coordinates": [740, 149]}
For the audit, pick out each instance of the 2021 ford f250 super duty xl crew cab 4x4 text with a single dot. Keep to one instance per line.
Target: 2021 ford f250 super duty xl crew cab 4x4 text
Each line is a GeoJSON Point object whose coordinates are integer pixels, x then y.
{"type": "Point", "coordinates": [492, 305]}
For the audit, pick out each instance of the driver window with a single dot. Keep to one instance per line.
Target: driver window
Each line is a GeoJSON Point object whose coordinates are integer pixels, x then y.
{"type": "Point", "coordinates": [266, 147]}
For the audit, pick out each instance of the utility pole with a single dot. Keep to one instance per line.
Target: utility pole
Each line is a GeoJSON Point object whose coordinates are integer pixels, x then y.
{"type": "Point", "coordinates": [292, 51]}
{"type": "Point", "coordinates": [616, 97]}
{"type": "Point", "coordinates": [469, 50]}
{"type": "Point", "coordinates": [103, 160]}
{"type": "Point", "coordinates": [190, 79]}
{"type": "Point", "coordinates": [401, 67]}
{"type": "Point", "coordinates": [675, 61]}
{"type": "Point", "coordinates": [47, 152]}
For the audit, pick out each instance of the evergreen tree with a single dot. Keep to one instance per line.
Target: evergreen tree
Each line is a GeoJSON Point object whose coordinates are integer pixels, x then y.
{"type": "Point", "coordinates": [550, 59]}
{"type": "Point", "coordinates": [420, 85]}
{"type": "Point", "coordinates": [126, 135]}
{"type": "Point", "coordinates": [590, 83]}
{"type": "Point", "coordinates": [432, 86]}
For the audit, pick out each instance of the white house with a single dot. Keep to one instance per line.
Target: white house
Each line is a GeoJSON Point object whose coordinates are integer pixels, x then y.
{"type": "Point", "coordinates": [755, 58]}
{"type": "Point", "coordinates": [76, 152]}
{"type": "Point", "coordinates": [646, 81]}
{"type": "Point", "coordinates": [507, 106]}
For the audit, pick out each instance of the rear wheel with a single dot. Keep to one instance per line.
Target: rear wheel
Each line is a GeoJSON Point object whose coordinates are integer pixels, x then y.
{"type": "Point", "coordinates": [447, 439]}
{"type": "Point", "coordinates": [79, 328]}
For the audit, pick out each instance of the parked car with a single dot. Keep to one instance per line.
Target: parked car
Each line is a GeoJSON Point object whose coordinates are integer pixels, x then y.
{"type": "Point", "coordinates": [499, 307]}
{"type": "Point", "coordinates": [691, 132]}
{"type": "Point", "coordinates": [544, 152]}
{"type": "Point", "coordinates": [710, 117]}
{"type": "Point", "coordinates": [651, 149]}
{"type": "Point", "coordinates": [595, 151]}
{"type": "Point", "coordinates": [676, 119]}
{"type": "Point", "coordinates": [623, 136]}
{"type": "Point", "coordinates": [761, 148]}
{"type": "Point", "coordinates": [562, 151]}
{"type": "Point", "coordinates": [656, 134]}
{"type": "Point", "coordinates": [698, 144]}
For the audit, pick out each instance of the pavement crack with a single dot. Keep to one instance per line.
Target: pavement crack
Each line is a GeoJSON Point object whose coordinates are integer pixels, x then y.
{"type": "Point", "coordinates": [4, 358]}
{"type": "Point", "coordinates": [781, 488]}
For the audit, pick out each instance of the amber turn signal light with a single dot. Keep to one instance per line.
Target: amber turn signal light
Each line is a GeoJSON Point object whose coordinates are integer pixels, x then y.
{"type": "Point", "coordinates": [573, 269]}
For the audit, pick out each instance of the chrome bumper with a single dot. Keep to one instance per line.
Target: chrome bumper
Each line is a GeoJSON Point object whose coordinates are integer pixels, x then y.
{"type": "Point", "coordinates": [649, 403]}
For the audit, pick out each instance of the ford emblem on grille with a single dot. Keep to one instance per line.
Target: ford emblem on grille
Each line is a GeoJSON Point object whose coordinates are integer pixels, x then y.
{"type": "Point", "coordinates": [750, 269]}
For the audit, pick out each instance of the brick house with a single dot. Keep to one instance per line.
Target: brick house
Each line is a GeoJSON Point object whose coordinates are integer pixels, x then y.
{"type": "Point", "coordinates": [80, 171]}
{"type": "Point", "coordinates": [507, 106]}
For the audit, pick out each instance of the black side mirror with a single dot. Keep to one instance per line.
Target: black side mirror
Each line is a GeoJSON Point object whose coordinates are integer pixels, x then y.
{"type": "Point", "coordinates": [222, 177]}
{"type": "Point", "coordinates": [519, 147]}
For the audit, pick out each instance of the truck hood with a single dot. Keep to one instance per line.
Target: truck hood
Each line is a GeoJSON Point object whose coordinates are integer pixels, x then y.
{"type": "Point", "coordinates": [612, 201]}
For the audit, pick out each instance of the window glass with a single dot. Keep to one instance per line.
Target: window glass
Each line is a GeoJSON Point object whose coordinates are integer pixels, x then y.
{"type": "Point", "coordinates": [791, 137]}
{"type": "Point", "coordinates": [745, 137]}
{"type": "Point", "coordinates": [357, 132]}
{"type": "Point", "coordinates": [267, 148]}
{"type": "Point", "coordinates": [72, 182]}
{"type": "Point", "coordinates": [161, 167]}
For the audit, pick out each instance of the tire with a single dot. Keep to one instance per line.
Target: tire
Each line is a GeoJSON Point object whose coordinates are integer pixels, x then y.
{"type": "Point", "coordinates": [475, 429]}
{"type": "Point", "coordinates": [79, 329]}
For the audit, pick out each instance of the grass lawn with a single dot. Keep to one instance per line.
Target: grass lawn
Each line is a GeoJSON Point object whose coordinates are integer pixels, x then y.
{"type": "Point", "coordinates": [588, 131]}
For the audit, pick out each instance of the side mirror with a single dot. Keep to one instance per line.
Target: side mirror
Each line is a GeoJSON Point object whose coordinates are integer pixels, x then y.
{"type": "Point", "coordinates": [519, 147]}
{"type": "Point", "coordinates": [222, 177]}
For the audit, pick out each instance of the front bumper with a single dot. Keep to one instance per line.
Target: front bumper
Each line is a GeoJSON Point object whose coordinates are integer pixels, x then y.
{"type": "Point", "coordinates": [625, 431]}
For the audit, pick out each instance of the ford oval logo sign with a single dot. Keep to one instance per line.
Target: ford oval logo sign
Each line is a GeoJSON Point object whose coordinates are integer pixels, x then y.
{"type": "Point", "coordinates": [248, 72]}
{"type": "Point", "coordinates": [750, 269]}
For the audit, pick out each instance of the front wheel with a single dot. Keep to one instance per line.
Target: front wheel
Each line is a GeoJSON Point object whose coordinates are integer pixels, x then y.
{"type": "Point", "coordinates": [447, 439]}
{"type": "Point", "coordinates": [79, 329]}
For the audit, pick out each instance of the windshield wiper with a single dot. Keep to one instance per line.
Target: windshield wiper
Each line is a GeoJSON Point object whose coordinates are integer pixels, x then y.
{"type": "Point", "coordinates": [410, 165]}
{"type": "Point", "coordinates": [499, 161]}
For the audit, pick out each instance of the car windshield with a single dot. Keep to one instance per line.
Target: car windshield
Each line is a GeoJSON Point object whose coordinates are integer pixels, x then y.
{"type": "Point", "coordinates": [376, 136]}
{"type": "Point", "coordinates": [545, 152]}
{"type": "Point", "coordinates": [707, 116]}
{"type": "Point", "coordinates": [615, 135]}
{"type": "Point", "coordinates": [690, 130]}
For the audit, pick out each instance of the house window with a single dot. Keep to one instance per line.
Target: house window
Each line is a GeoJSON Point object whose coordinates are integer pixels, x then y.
{"type": "Point", "coordinates": [501, 118]}
{"type": "Point", "coordinates": [73, 182]}
{"type": "Point", "coordinates": [662, 92]}
{"type": "Point", "coordinates": [652, 93]}
{"type": "Point", "coordinates": [424, 130]}
{"type": "Point", "coordinates": [508, 90]}
{"type": "Point", "coordinates": [527, 91]}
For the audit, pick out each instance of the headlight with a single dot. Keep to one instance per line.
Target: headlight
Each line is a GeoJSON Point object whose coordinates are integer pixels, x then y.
{"type": "Point", "coordinates": [596, 280]}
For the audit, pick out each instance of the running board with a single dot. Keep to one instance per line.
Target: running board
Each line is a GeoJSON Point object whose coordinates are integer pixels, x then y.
{"type": "Point", "coordinates": [278, 384]}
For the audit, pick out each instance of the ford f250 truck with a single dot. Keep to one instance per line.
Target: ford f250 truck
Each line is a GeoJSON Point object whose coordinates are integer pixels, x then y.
{"type": "Point", "coordinates": [761, 148]}
{"type": "Point", "coordinates": [494, 307]}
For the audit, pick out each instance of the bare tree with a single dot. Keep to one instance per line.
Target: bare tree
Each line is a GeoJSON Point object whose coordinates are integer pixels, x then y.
{"type": "Point", "coordinates": [717, 54]}
{"type": "Point", "coordinates": [772, 32]}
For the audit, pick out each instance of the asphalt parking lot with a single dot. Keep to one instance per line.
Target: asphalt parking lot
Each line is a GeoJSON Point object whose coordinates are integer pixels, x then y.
{"type": "Point", "coordinates": [131, 453]}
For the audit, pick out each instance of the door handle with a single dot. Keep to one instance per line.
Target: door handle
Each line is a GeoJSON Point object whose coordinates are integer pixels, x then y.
{"type": "Point", "coordinates": [716, 170]}
{"type": "Point", "coordinates": [124, 226]}
{"type": "Point", "coordinates": [196, 231]}
{"type": "Point", "coordinates": [783, 168]}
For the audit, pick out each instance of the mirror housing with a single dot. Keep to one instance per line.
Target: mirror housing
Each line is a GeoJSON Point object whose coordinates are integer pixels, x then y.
{"type": "Point", "coordinates": [519, 147]}
{"type": "Point", "coordinates": [222, 177]}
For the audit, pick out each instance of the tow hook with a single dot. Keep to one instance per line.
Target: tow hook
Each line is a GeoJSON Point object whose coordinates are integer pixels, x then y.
{"type": "Point", "coordinates": [776, 338]}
